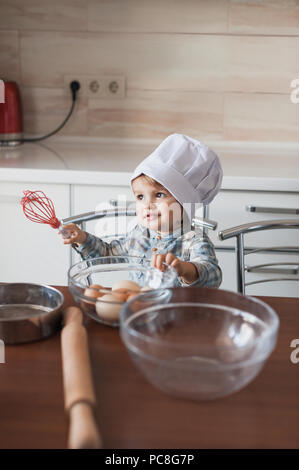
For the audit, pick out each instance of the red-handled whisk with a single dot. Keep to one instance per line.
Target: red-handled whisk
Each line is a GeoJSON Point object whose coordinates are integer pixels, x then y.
{"type": "Point", "coordinates": [37, 207]}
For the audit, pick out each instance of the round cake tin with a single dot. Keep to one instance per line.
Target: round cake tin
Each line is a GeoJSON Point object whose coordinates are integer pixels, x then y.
{"type": "Point", "coordinates": [29, 312]}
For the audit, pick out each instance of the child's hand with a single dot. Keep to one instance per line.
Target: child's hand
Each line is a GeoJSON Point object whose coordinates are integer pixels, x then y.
{"type": "Point", "coordinates": [76, 235]}
{"type": "Point", "coordinates": [187, 271]}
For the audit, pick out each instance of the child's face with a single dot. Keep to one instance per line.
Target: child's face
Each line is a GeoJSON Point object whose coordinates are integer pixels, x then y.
{"type": "Point", "coordinates": [156, 208]}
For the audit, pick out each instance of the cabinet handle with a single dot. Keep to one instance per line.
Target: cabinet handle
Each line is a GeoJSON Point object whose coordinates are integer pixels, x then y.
{"type": "Point", "coordinates": [264, 268]}
{"type": "Point", "coordinates": [272, 210]}
{"type": "Point", "coordinates": [114, 203]}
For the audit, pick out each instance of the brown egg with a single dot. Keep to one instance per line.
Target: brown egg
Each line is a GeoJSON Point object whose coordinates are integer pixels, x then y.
{"type": "Point", "coordinates": [120, 294]}
{"type": "Point", "coordinates": [129, 285]}
{"type": "Point", "coordinates": [108, 308]}
{"type": "Point", "coordinates": [93, 291]}
{"type": "Point", "coordinates": [131, 296]}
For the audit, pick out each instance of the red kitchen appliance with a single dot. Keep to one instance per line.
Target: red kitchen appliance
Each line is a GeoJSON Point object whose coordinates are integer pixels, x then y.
{"type": "Point", "coordinates": [11, 124]}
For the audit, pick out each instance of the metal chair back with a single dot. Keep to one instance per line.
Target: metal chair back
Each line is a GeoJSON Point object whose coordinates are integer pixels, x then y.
{"type": "Point", "coordinates": [241, 251]}
{"type": "Point", "coordinates": [81, 219]}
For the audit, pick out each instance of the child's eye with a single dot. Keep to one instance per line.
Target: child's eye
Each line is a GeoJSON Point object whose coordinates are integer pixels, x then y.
{"type": "Point", "coordinates": [159, 195]}
{"type": "Point", "coordinates": [140, 197]}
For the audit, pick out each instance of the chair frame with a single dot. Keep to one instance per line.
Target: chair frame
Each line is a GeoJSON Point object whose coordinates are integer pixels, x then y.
{"type": "Point", "coordinates": [81, 219]}
{"type": "Point", "coordinates": [241, 251]}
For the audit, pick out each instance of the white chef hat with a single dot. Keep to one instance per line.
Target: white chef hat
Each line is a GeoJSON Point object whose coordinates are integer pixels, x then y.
{"type": "Point", "coordinates": [188, 169]}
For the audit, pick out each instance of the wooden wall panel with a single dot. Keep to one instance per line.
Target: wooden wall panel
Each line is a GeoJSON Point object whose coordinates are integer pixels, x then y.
{"type": "Point", "coordinates": [215, 69]}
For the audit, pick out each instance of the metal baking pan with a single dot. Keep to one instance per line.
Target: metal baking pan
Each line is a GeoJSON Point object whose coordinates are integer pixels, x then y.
{"type": "Point", "coordinates": [29, 312]}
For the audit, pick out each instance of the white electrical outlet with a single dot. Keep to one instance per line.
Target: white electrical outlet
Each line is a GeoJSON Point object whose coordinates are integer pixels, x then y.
{"type": "Point", "coordinates": [95, 87]}
{"type": "Point", "coordinates": [115, 86]}
{"type": "Point", "coordinates": [99, 87]}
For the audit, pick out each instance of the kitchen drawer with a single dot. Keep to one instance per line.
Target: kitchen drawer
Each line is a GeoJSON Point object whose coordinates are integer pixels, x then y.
{"type": "Point", "coordinates": [227, 261]}
{"type": "Point", "coordinates": [229, 210]}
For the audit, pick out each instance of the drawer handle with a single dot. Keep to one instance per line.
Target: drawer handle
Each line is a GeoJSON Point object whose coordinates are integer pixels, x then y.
{"type": "Point", "coordinates": [264, 268]}
{"type": "Point", "coordinates": [272, 210]}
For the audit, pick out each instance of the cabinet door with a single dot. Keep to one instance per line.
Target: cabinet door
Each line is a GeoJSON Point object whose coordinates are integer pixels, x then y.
{"type": "Point", "coordinates": [226, 261]}
{"type": "Point", "coordinates": [229, 210]}
{"type": "Point", "coordinates": [32, 252]}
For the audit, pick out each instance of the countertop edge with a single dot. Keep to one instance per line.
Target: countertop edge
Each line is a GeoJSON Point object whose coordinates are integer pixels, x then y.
{"type": "Point", "coordinates": [237, 183]}
{"type": "Point", "coordinates": [64, 176]}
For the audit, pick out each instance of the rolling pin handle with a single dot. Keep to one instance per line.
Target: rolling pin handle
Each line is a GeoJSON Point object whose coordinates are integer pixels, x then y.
{"type": "Point", "coordinates": [79, 397]}
{"type": "Point", "coordinates": [83, 433]}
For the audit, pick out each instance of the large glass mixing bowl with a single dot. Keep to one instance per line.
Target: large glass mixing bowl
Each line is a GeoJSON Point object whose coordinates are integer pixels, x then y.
{"type": "Point", "coordinates": [198, 343]}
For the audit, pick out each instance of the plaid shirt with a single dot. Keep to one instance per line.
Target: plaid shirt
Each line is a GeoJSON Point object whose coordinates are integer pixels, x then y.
{"type": "Point", "coordinates": [194, 247]}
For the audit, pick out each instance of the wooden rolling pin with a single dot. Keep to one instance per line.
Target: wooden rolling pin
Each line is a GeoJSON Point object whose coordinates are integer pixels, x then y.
{"type": "Point", "coordinates": [79, 397]}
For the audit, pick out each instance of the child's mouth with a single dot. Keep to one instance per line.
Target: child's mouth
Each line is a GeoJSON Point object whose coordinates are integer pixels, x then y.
{"type": "Point", "coordinates": [152, 216]}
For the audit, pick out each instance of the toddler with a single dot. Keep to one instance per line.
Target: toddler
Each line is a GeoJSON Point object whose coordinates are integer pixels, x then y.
{"type": "Point", "coordinates": [167, 185]}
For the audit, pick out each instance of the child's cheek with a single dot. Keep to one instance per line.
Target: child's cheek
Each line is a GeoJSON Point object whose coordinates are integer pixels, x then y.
{"type": "Point", "coordinates": [163, 207]}
{"type": "Point", "coordinates": [166, 210]}
{"type": "Point", "coordinates": [139, 212]}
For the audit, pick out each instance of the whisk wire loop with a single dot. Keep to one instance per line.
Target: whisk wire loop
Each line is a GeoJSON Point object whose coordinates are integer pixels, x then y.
{"type": "Point", "coordinates": [38, 208]}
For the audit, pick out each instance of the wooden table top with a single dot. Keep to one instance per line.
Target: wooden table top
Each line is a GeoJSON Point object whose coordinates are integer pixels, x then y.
{"type": "Point", "coordinates": [132, 414]}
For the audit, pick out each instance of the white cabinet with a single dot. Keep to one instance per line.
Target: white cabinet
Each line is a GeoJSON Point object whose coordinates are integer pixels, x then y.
{"type": "Point", "coordinates": [229, 209]}
{"type": "Point", "coordinates": [32, 252]}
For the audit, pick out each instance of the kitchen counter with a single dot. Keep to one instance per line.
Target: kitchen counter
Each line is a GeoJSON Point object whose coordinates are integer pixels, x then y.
{"type": "Point", "coordinates": [132, 414]}
{"type": "Point", "coordinates": [86, 160]}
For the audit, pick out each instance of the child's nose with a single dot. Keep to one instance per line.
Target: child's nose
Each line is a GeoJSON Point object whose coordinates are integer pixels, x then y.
{"type": "Point", "coordinates": [149, 203]}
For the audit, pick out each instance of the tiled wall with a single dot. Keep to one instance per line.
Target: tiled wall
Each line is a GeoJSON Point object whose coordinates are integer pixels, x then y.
{"type": "Point", "coordinates": [214, 69]}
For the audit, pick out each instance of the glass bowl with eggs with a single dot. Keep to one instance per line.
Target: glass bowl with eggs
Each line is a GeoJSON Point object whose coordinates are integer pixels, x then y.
{"type": "Point", "coordinates": [101, 286]}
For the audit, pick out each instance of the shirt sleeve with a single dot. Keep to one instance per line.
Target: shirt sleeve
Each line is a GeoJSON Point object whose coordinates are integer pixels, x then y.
{"type": "Point", "coordinates": [95, 247]}
{"type": "Point", "coordinates": [202, 255]}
